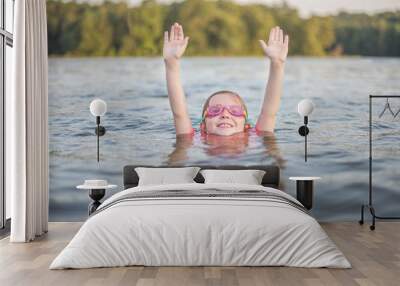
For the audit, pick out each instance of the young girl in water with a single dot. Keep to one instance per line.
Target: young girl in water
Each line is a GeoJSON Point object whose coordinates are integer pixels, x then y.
{"type": "Point", "coordinates": [224, 112]}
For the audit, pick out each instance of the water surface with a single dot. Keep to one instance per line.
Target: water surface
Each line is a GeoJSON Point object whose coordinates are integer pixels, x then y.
{"type": "Point", "coordinates": [140, 126]}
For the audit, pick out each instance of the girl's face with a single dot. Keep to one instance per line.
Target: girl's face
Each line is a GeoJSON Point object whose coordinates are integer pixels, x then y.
{"type": "Point", "coordinates": [225, 123]}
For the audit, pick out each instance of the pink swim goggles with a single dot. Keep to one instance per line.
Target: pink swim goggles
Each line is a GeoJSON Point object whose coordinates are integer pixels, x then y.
{"type": "Point", "coordinates": [215, 110]}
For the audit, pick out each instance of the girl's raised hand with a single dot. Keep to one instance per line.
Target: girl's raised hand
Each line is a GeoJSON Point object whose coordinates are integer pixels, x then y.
{"type": "Point", "coordinates": [277, 47]}
{"type": "Point", "coordinates": [175, 43]}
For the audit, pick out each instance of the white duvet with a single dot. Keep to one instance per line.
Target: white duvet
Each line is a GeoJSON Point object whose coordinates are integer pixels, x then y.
{"type": "Point", "coordinates": [200, 231]}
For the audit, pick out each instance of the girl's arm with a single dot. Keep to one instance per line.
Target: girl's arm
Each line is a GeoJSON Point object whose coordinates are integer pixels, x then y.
{"type": "Point", "coordinates": [174, 46]}
{"type": "Point", "coordinates": [276, 51]}
{"type": "Point", "coordinates": [180, 153]}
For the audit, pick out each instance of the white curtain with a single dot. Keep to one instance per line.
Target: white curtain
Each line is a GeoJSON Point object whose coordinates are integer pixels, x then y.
{"type": "Point", "coordinates": [27, 124]}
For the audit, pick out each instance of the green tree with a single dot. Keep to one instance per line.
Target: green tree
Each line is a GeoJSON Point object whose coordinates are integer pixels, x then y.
{"type": "Point", "coordinates": [317, 36]}
{"type": "Point", "coordinates": [96, 34]}
{"type": "Point", "coordinates": [63, 25]}
{"type": "Point", "coordinates": [215, 27]}
{"type": "Point", "coordinates": [144, 30]}
{"type": "Point", "coordinates": [258, 22]}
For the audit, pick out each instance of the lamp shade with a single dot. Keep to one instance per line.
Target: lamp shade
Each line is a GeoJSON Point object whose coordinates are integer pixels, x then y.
{"type": "Point", "coordinates": [305, 107]}
{"type": "Point", "coordinates": [98, 107]}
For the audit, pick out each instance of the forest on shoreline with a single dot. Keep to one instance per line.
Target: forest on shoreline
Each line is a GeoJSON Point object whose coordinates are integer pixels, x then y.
{"type": "Point", "coordinates": [215, 28]}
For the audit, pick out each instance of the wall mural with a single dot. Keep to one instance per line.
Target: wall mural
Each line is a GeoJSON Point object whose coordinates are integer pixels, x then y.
{"type": "Point", "coordinates": [159, 111]}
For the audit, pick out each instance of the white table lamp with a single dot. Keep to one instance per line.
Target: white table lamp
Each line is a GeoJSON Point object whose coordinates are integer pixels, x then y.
{"type": "Point", "coordinates": [98, 107]}
{"type": "Point", "coordinates": [305, 108]}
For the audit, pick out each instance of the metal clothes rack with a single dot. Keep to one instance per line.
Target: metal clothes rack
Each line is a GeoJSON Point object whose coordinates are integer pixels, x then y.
{"type": "Point", "coordinates": [370, 203]}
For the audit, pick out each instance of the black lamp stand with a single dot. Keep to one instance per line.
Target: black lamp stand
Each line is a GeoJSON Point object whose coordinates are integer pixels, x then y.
{"type": "Point", "coordinates": [100, 131]}
{"type": "Point", "coordinates": [303, 131]}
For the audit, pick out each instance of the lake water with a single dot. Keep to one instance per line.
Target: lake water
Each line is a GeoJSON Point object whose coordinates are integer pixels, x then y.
{"type": "Point", "coordinates": [140, 127]}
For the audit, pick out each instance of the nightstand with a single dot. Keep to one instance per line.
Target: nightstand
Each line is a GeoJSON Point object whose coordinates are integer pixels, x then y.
{"type": "Point", "coordinates": [304, 190]}
{"type": "Point", "coordinates": [97, 190]}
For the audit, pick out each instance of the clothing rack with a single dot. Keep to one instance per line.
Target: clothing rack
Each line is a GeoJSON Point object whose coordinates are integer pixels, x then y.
{"type": "Point", "coordinates": [370, 203]}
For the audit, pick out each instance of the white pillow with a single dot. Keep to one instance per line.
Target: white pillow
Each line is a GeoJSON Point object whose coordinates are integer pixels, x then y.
{"type": "Point", "coordinates": [249, 177]}
{"type": "Point", "coordinates": [162, 176]}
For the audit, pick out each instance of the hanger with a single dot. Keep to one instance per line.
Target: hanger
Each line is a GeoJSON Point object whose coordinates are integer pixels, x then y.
{"type": "Point", "coordinates": [397, 113]}
{"type": "Point", "coordinates": [387, 106]}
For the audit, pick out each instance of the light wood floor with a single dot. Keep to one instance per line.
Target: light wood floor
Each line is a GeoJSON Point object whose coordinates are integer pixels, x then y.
{"type": "Point", "coordinates": [375, 257]}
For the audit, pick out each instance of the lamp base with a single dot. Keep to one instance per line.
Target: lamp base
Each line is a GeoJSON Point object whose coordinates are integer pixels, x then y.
{"type": "Point", "coordinates": [96, 195]}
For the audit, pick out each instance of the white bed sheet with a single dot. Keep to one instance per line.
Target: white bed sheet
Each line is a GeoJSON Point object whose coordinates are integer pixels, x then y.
{"type": "Point", "coordinates": [200, 231]}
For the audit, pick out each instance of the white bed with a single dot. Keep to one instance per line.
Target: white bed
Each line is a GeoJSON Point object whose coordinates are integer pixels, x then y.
{"type": "Point", "coordinates": [269, 229]}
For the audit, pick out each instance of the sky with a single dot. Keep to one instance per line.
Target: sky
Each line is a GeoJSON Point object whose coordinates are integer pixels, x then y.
{"type": "Point", "coordinates": [323, 7]}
